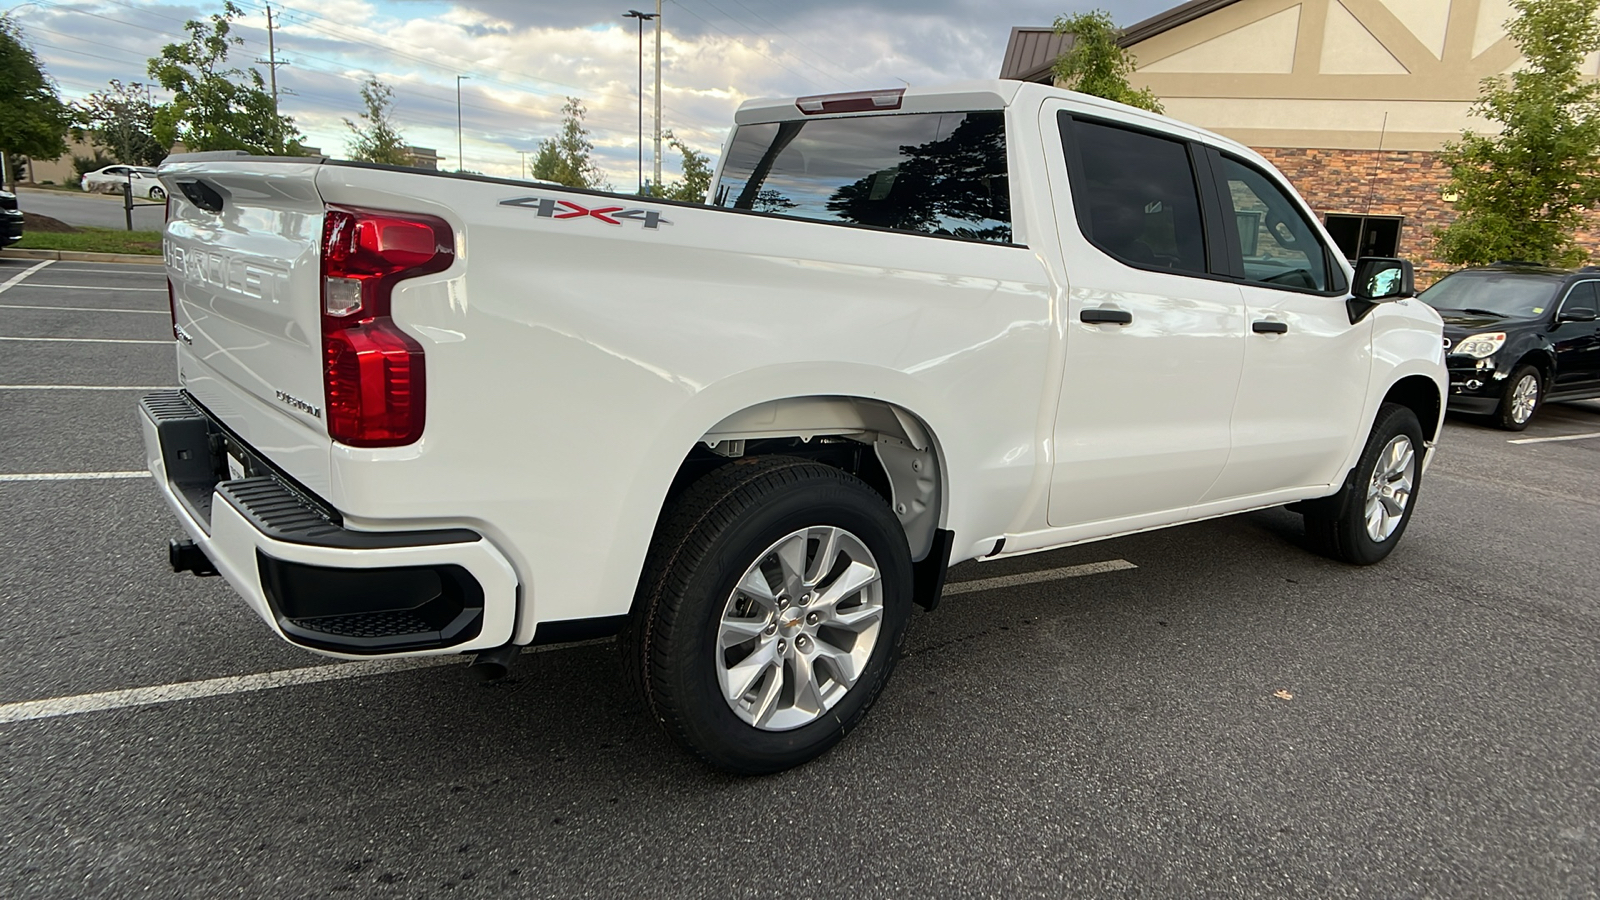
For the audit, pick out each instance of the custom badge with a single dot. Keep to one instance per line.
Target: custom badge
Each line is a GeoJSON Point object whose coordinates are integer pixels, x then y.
{"type": "Point", "coordinates": [549, 208]}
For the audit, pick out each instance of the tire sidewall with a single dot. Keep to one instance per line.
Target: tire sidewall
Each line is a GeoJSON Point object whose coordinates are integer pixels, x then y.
{"type": "Point", "coordinates": [1507, 401]}
{"type": "Point", "coordinates": [1392, 422]}
{"type": "Point", "coordinates": [708, 720]}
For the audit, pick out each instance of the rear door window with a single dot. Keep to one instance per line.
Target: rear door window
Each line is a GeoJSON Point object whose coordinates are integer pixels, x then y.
{"type": "Point", "coordinates": [1136, 197]}
{"type": "Point", "coordinates": [927, 173]}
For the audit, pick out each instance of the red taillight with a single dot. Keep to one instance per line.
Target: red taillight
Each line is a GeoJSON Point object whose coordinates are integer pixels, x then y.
{"type": "Point", "coordinates": [373, 378]}
{"type": "Point", "coordinates": [859, 101]}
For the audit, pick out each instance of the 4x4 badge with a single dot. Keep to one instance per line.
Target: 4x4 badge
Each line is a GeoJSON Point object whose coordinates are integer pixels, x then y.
{"type": "Point", "coordinates": [550, 208]}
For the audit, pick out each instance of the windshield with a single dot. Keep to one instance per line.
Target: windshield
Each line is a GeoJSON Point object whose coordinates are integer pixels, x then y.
{"type": "Point", "coordinates": [1510, 295]}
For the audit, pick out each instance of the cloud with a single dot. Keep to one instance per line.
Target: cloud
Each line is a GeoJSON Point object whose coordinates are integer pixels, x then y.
{"type": "Point", "coordinates": [523, 57]}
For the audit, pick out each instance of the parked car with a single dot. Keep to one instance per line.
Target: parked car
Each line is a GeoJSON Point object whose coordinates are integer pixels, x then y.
{"type": "Point", "coordinates": [111, 179]}
{"type": "Point", "coordinates": [431, 414]}
{"type": "Point", "coordinates": [10, 219]}
{"type": "Point", "coordinates": [1519, 334]}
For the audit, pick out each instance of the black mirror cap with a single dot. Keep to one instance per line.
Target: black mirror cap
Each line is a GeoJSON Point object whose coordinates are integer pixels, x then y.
{"type": "Point", "coordinates": [1577, 315]}
{"type": "Point", "coordinates": [1382, 278]}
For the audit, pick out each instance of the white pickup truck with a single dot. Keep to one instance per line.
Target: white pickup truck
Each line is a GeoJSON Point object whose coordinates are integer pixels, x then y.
{"type": "Point", "coordinates": [432, 414]}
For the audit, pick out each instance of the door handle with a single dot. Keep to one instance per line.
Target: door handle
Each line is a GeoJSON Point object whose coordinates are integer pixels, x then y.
{"type": "Point", "coordinates": [1104, 316]}
{"type": "Point", "coordinates": [1270, 327]}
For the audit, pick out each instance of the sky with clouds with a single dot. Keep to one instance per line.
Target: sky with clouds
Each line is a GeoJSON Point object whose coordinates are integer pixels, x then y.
{"type": "Point", "coordinates": [524, 57]}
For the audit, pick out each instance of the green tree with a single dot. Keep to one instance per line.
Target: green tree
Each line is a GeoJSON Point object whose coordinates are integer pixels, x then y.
{"type": "Point", "coordinates": [122, 120]}
{"type": "Point", "coordinates": [376, 140]}
{"type": "Point", "coordinates": [215, 107]}
{"type": "Point", "coordinates": [696, 180]}
{"type": "Point", "coordinates": [33, 120]}
{"type": "Point", "coordinates": [1096, 64]}
{"type": "Point", "coordinates": [1524, 191]}
{"type": "Point", "coordinates": [566, 158]}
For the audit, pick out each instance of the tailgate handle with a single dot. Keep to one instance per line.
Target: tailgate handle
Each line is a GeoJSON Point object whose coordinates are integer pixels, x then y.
{"type": "Point", "coordinates": [202, 195]}
{"type": "Point", "coordinates": [1270, 327]}
{"type": "Point", "coordinates": [1105, 317]}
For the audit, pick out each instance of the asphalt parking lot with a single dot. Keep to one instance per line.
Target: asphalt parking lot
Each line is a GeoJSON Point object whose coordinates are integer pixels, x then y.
{"type": "Point", "coordinates": [1220, 714]}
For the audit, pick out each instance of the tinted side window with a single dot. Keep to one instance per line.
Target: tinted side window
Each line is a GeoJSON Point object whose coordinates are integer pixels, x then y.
{"type": "Point", "coordinates": [1583, 296]}
{"type": "Point", "coordinates": [933, 173]}
{"type": "Point", "coordinates": [1136, 197]}
{"type": "Point", "coordinates": [1280, 248]}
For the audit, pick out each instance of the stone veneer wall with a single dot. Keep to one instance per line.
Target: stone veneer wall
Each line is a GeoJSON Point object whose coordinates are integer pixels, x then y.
{"type": "Point", "coordinates": [1407, 183]}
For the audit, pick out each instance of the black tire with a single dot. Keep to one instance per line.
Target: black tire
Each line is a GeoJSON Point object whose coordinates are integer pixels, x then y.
{"type": "Point", "coordinates": [157, 193]}
{"type": "Point", "coordinates": [1515, 416]}
{"type": "Point", "coordinates": [1337, 526]}
{"type": "Point", "coordinates": [718, 530]}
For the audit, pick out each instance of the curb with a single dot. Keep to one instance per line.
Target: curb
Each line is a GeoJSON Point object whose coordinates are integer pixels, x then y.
{"type": "Point", "coordinates": [81, 256]}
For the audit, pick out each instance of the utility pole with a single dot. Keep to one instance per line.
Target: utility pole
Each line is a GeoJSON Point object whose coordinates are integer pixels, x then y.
{"type": "Point", "coordinates": [635, 14]}
{"type": "Point", "coordinates": [271, 62]}
{"type": "Point", "coordinates": [461, 163]}
{"type": "Point", "coordinates": [657, 182]}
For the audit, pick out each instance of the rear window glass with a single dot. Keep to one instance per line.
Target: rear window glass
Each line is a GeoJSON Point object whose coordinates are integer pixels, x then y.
{"type": "Point", "coordinates": [929, 173]}
{"type": "Point", "coordinates": [1504, 294]}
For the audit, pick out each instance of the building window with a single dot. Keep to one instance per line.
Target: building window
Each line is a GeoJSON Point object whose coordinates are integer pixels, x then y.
{"type": "Point", "coordinates": [1359, 236]}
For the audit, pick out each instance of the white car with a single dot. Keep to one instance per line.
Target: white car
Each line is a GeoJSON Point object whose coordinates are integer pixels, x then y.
{"type": "Point", "coordinates": [110, 180]}
{"type": "Point", "coordinates": [429, 414]}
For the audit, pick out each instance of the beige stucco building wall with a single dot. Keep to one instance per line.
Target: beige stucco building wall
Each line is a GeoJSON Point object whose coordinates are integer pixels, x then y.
{"type": "Point", "coordinates": [1336, 74]}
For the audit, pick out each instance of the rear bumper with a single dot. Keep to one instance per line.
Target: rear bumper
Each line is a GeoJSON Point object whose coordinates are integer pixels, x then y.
{"type": "Point", "coordinates": [318, 584]}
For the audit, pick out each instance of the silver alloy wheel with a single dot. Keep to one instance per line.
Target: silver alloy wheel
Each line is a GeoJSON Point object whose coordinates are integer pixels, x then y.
{"type": "Point", "coordinates": [1524, 397]}
{"type": "Point", "coordinates": [799, 628]}
{"type": "Point", "coordinates": [1390, 490]}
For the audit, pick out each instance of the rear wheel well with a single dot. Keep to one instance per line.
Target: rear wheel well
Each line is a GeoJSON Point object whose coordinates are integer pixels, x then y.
{"type": "Point", "coordinates": [884, 445]}
{"type": "Point", "coordinates": [1421, 395]}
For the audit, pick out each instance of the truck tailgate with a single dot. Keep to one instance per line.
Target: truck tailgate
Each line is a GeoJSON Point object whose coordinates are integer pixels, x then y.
{"type": "Point", "coordinates": [242, 253]}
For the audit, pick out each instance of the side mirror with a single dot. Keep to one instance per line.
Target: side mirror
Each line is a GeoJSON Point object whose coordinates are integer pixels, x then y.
{"type": "Point", "coordinates": [1379, 279]}
{"type": "Point", "coordinates": [1577, 315]}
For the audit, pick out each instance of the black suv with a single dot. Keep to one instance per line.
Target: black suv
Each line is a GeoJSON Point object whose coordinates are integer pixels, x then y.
{"type": "Point", "coordinates": [1517, 334]}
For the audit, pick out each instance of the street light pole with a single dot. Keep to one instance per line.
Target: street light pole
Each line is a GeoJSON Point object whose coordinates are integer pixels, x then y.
{"type": "Point", "coordinates": [460, 160]}
{"type": "Point", "coordinates": [524, 164]}
{"type": "Point", "coordinates": [635, 14]}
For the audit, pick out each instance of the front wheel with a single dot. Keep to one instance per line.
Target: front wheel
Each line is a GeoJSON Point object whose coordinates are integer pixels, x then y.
{"type": "Point", "coordinates": [1364, 521]}
{"type": "Point", "coordinates": [770, 614]}
{"type": "Point", "coordinates": [156, 193]}
{"type": "Point", "coordinates": [1524, 389]}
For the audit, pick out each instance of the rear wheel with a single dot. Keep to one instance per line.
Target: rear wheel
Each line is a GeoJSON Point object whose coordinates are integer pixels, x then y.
{"type": "Point", "coordinates": [770, 614]}
{"type": "Point", "coordinates": [1524, 390]}
{"type": "Point", "coordinates": [156, 193]}
{"type": "Point", "coordinates": [1364, 521]}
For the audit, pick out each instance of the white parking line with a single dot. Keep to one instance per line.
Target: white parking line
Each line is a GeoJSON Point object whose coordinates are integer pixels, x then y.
{"type": "Point", "coordinates": [30, 710]}
{"type": "Point", "coordinates": [17, 278]}
{"type": "Point", "coordinates": [989, 584]}
{"type": "Point", "coordinates": [97, 287]}
{"type": "Point", "coordinates": [72, 476]}
{"type": "Point", "coordinates": [142, 312]}
{"type": "Point", "coordinates": [84, 387]}
{"type": "Point", "coordinates": [84, 340]}
{"type": "Point", "coordinates": [1564, 437]}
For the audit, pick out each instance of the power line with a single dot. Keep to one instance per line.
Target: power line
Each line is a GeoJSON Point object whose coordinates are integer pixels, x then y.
{"type": "Point", "coordinates": [730, 37]}
{"type": "Point", "coordinates": [797, 57]}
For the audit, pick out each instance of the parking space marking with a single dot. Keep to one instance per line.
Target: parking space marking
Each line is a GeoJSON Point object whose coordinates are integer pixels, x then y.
{"type": "Point", "coordinates": [989, 584]}
{"type": "Point", "coordinates": [85, 387]}
{"type": "Point", "coordinates": [17, 278]}
{"type": "Point", "coordinates": [142, 312]}
{"type": "Point", "coordinates": [1564, 437]}
{"type": "Point", "coordinates": [30, 710]}
{"type": "Point", "coordinates": [72, 476]}
{"type": "Point", "coordinates": [85, 340]}
{"type": "Point", "coordinates": [96, 287]}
